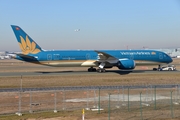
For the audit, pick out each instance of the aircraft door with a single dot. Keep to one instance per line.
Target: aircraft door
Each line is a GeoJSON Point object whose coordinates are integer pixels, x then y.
{"type": "Point", "coordinates": [49, 57]}
{"type": "Point", "coordinates": [88, 56]}
{"type": "Point", "coordinates": [160, 56]}
{"type": "Point", "coordinates": [131, 56]}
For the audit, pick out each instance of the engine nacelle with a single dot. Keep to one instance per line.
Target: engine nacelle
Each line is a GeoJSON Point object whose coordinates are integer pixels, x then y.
{"type": "Point", "coordinates": [126, 64]}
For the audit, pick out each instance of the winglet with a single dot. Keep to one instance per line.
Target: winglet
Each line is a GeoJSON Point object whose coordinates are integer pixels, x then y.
{"type": "Point", "coordinates": [26, 43]}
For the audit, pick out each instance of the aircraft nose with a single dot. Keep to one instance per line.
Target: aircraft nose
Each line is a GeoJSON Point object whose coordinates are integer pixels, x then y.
{"type": "Point", "coordinates": [170, 60]}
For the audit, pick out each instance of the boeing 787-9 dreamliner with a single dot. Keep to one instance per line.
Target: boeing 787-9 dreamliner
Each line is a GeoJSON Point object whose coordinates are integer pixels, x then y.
{"type": "Point", "coordinates": [100, 59]}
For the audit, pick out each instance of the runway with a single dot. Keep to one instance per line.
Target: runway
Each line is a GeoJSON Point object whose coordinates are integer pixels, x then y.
{"type": "Point", "coordinates": [9, 68]}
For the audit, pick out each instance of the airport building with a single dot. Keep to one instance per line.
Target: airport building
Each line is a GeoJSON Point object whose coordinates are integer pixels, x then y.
{"type": "Point", "coordinates": [4, 55]}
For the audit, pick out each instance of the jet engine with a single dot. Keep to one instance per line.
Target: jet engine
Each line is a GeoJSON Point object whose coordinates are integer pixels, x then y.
{"type": "Point", "coordinates": [126, 64]}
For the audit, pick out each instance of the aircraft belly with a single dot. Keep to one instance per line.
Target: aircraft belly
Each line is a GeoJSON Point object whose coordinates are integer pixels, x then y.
{"type": "Point", "coordinates": [63, 63]}
{"type": "Point", "coordinates": [139, 63]}
{"type": "Point", "coordinates": [73, 63]}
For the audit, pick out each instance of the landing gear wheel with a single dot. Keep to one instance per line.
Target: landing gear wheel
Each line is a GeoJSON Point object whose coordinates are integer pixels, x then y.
{"type": "Point", "coordinates": [94, 69]}
{"type": "Point", "coordinates": [91, 69]}
{"type": "Point", "coordinates": [101, 70]}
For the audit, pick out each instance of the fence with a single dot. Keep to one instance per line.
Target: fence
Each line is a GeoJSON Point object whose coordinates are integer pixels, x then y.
{"type": "Point", "coordinates": [144, 101]}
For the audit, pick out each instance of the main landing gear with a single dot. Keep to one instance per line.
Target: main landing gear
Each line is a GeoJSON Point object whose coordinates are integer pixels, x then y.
{"type": "Point", "coordinates": [91, 69]}
{"type": "Point", "coordinates": [101, 70]}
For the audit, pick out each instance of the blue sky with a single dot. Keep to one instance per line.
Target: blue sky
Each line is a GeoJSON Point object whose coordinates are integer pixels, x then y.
{"type": "Point", "coordinates": [103, 24]}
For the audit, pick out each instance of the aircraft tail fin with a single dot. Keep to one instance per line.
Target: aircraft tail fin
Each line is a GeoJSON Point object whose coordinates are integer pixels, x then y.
{"type": "Point", "coordinates": [26, 43]}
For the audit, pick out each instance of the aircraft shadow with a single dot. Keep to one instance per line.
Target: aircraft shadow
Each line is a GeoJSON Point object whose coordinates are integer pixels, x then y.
{"type": "Point", "coordinates": [120, 72]}
{"type": "Point", "coordinates": [50, 72]}
{"type": "Point", "coordinates": [125, 72]}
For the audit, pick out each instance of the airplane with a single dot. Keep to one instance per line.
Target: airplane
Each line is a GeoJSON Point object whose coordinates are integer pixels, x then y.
{"type": "Point", "coordinates": [122, 59]}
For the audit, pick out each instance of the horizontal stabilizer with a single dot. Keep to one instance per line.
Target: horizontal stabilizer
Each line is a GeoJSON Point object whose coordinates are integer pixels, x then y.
{"type": "Point", "coordinates": [26, 57]}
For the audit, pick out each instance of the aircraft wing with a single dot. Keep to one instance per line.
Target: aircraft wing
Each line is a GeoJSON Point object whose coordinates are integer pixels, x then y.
{"type": "Point", "coordinates": [105, 57]}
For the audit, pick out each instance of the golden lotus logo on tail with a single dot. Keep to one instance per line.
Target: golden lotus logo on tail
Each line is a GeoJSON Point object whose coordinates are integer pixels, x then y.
{"type": "Point", "coordinates": [27, 47]}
